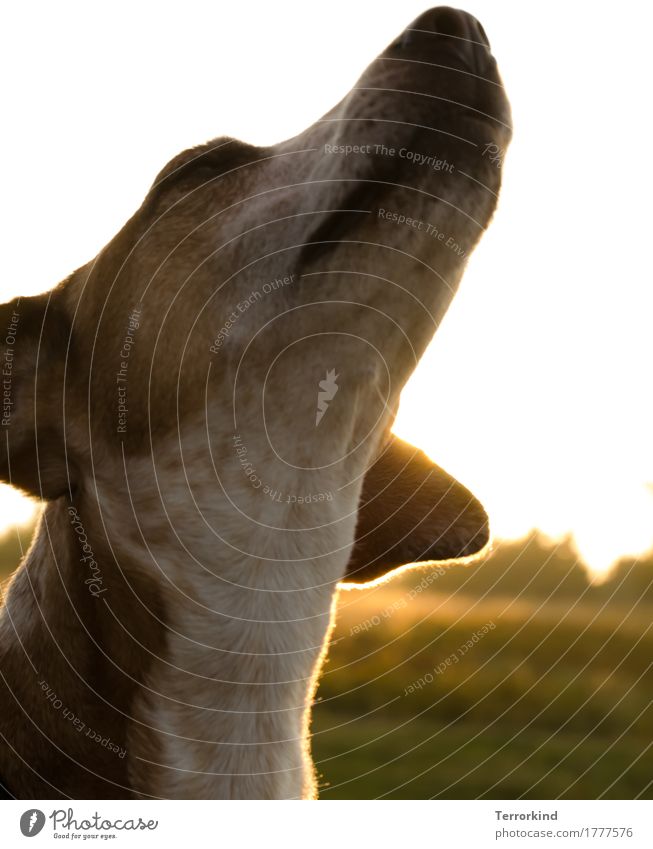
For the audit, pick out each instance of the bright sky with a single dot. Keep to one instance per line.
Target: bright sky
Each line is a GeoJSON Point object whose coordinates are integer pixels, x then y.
{"type": "Point", "coordinates": [537, 390]}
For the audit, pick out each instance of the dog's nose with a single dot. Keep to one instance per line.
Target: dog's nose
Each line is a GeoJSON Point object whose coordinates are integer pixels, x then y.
{"type": "Point", "coordinates": [453, 23]}
{"type": "Point", "coordinates": [448, 28]}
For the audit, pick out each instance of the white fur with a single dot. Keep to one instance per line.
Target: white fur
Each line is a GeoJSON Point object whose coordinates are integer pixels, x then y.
{"type": "Point", "coordinates": [224, 713]}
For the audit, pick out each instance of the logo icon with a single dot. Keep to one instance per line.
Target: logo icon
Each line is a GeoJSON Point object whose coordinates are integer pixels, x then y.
{"type": "Point", "coordinates": [32, 822]}
{"type": "Point", "coordinates": [328, 389]}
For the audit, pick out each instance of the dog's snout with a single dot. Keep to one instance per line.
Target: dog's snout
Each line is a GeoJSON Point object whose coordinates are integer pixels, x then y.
{"type": "Point", "coordinates": [448, 28]}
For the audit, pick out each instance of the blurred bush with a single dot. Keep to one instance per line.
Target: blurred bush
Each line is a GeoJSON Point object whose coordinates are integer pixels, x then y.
{"type": "Point", "coordinates": [553, 701]}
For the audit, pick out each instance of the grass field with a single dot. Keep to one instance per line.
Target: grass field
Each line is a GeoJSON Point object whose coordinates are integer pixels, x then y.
{"type": "Point", "coordinates": [553, 701]}
{"type": "Point", "coordinates": [513, 678]}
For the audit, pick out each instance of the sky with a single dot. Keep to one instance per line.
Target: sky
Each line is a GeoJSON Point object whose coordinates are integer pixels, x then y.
{"type": "Point", "coordinates": [536, 391]}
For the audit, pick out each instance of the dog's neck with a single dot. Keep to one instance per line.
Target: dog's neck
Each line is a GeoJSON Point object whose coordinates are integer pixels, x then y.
{"type": "Point", "coordinates": [188, 631]}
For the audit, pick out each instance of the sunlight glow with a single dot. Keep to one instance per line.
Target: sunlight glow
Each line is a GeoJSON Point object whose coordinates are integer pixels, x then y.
{"type": "Point", "coordinates": [15, 508]}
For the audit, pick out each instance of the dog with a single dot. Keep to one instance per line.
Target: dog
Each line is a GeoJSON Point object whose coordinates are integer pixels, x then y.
{"type": "Point", "coordinates": [206, 408]}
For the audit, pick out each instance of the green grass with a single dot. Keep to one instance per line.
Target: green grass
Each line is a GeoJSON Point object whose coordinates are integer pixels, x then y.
{"type": "Point", "coordinates": [379, 757]}
{"type": "Point", "coordinates": [554, 701]}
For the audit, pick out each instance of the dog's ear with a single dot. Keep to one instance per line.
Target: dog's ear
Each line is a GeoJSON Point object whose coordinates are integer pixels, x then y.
{"type": "Point", "coordinates": [410, 511]}
{"type": "Point", "coordinates": [35, 335]}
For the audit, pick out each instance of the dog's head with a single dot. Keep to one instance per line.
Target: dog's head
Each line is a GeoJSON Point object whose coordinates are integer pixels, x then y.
{"type": "Point", "coordinates": [264, 307]}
